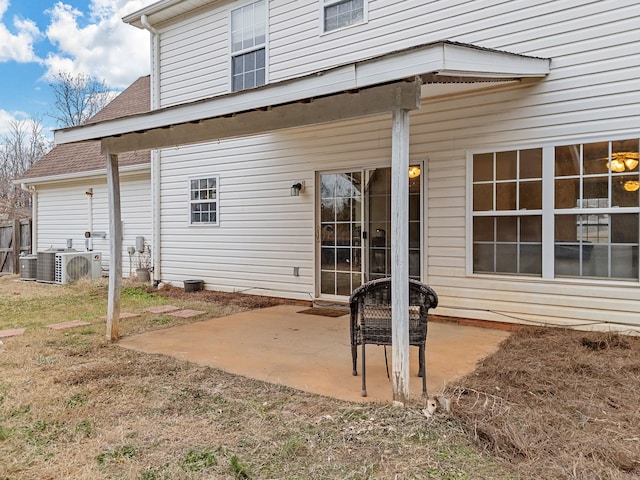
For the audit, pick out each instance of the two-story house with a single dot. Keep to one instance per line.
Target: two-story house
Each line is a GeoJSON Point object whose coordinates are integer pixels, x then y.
{"type": "Point", "coordinates": [488, 148]}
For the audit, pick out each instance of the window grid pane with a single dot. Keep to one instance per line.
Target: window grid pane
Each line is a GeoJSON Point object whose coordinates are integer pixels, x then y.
{"type": "Point", "coordinates": [595, 242]}
{"type": "Point", "coordinates": [510, 183]}
{"type": "Point", "coordinates": [248, 70]}
{"type": "Point", "coordinates": [203, 197]}
{"type": "Point", "coordinates": [343, 14]}
{"type": "Point", "coordinates": [517, 248]}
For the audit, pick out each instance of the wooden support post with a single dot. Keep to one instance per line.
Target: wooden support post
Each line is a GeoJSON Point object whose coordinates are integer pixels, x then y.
{"type": "Point", "coordinates": [400, 255]}
{"type": "Point", "coordinates": [115, 247]}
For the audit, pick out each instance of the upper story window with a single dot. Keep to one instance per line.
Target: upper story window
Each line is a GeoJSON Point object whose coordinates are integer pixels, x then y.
{"type": "Point", "coordinates": [248, 46]}
{"type": "Point", "coordinates": [203, 200]}
{"type": "Point", "coordinates": [342, 13]}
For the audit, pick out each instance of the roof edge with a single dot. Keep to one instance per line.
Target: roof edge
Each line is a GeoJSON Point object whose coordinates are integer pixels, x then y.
{"type": "Point", "coordinates": [149, 10]}
{"type": "Point", "coordinates": [129, 169]}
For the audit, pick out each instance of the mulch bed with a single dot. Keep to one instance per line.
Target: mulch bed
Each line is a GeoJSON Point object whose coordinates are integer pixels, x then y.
{"type": "Point", "coordinates": [225, 298]}
{"type": "Point", "coordinates": [558, 403]}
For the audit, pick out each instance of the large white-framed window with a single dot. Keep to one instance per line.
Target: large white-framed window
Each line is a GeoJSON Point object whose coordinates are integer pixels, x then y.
{"type": "Point", "coordinates": [203, 200]}
{"type": "Point", "coordinates": [248, 26]}
{"type": "Point", "coordinates": [338, 14]}
{"type": "Point", "coordinates": [507, 212]}
{"type": "Point", "coordinates": [578, 203]}
{"type": "Point", "coordinates": [596, 210]}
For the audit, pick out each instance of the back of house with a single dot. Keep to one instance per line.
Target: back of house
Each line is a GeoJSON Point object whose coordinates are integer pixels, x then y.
{"type": "Point", "coordinates": [523, 198]}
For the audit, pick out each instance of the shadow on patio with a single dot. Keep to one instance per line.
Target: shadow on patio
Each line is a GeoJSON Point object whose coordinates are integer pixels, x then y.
{"type": "Point", "coordinates": [312, 353]}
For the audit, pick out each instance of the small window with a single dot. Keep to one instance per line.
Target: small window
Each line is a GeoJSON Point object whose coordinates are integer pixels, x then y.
{"type": "Point", "coordinates": [203, 201]}
{"type": "Point", "coordinates": [248, 46]}
{"type": "Point", "coordinates": [342, 13]}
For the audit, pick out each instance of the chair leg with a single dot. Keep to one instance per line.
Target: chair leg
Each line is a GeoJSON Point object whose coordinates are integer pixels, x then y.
{"type": "Point", "coordinates": [423, 372]}
{"type": "Point", "coordinates": [364, 373]}
{"type": "Point", "coordinates": [354, 359]}
{"type": "Point", "coordinates": [421, 361]}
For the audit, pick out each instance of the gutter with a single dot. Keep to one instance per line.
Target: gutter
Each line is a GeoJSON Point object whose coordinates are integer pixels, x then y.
{"type": "Point", "coordinates": [155, 154]}
{"type": "Point", "coordinates": [131, 169]}
{"type": "Point", "coordinates": [34, 215]}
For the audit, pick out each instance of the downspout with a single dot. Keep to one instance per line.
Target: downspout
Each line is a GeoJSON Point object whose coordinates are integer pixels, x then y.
{"type": "Point", "coordinates": [88, 241]}
{"type": "Point", "coordinates": [155, 154]}
{"type": "Point", "coordinates": [34, 215]}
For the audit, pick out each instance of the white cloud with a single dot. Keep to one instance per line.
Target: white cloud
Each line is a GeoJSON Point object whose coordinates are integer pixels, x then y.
{"type": "Point", "coordinates": [17, 45]}
{"type": "Point", "coordinates": [105, 47]}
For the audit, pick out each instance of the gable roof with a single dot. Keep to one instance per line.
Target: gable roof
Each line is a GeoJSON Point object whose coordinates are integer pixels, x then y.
{"type": "Point", "coordinates": [78, 158]}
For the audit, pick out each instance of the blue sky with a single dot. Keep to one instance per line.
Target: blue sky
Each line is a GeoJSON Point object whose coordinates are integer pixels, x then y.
{"type": "Point", "coordinates": [39, 38]}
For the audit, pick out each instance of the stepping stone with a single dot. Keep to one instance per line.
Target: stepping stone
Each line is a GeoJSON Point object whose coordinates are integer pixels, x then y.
{"type": "Point", "coordinates": [70, 324]}
{"type": "Point", "coordinates": [162, 309]}
{"type": "Point", "coordinates": [11, 333]}
{"type": "Point", "coordinates": [186, 313]}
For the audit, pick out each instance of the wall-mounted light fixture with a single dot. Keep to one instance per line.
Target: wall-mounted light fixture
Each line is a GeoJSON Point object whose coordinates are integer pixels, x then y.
{"type": "Point", "coordinates": [631, 185]}
{"type": "Point", "coordinates": [296, 188]}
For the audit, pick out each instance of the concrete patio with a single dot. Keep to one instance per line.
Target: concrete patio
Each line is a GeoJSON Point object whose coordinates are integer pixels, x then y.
{"type": "Point", "coordinates": [312, 353]}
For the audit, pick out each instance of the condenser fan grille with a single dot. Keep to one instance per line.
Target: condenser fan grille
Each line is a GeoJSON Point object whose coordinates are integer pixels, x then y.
{"type": "Point", "coordinates": [78, 267]}
{"type": "Point", "coordinates": [72, 266]}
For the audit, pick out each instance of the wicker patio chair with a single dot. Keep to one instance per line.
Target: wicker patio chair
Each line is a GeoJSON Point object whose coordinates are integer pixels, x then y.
{"type": "Point", "coordinates": [371, 320]}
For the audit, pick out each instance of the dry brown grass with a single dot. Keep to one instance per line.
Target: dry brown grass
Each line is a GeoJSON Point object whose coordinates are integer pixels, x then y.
{"type": "Point", "coordinates": [550, 404]}
{"type": "Point", "coordinates": [74, 406]}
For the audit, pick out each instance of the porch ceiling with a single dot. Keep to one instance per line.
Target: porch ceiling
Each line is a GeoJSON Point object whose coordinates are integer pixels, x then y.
{"type": "Point", "coordinates": [373, 86]}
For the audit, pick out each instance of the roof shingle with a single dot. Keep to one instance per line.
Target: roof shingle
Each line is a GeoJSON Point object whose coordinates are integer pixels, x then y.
{"type": "Point", "coordinates": [73, 158]}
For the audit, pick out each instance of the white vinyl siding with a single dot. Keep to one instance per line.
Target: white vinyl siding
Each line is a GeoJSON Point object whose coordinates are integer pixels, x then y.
{"type": "Point", "coordinates": [195, 48]}
{"type": "Point", "coordinates": [590, 96]}
{"type": "Point", "coordinates": [194, 61]}
{"type": "Point", "coordinates": [63, 212]}
{"type": "Point", "coordinates": [267, 232]}
{"type": "Point", "coordinates": [542, 28]}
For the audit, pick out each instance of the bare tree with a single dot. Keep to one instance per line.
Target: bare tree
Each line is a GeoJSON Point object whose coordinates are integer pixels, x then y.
{"type": "Point", "coordinates": [22, 146]}
{"type": "Point", "coordinates": [78, 98]}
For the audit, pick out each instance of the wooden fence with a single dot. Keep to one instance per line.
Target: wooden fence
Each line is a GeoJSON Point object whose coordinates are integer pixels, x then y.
{"type": "Point", "coordinates": [15, 238]}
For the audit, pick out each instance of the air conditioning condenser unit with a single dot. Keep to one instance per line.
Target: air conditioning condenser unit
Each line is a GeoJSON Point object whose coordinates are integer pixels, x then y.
{"type": "Point", "coordinates": [71, 266]}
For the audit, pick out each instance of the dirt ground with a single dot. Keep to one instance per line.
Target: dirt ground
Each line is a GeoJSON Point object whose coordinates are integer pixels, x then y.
{"type": "Point", "coordinates": [238, 299]}
{"type": "Point", "coordinates": [549, 404]}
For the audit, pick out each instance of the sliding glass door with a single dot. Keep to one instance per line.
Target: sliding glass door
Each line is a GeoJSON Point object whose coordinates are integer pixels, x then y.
{"type": "Point", "coordinates": [355, 228]}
